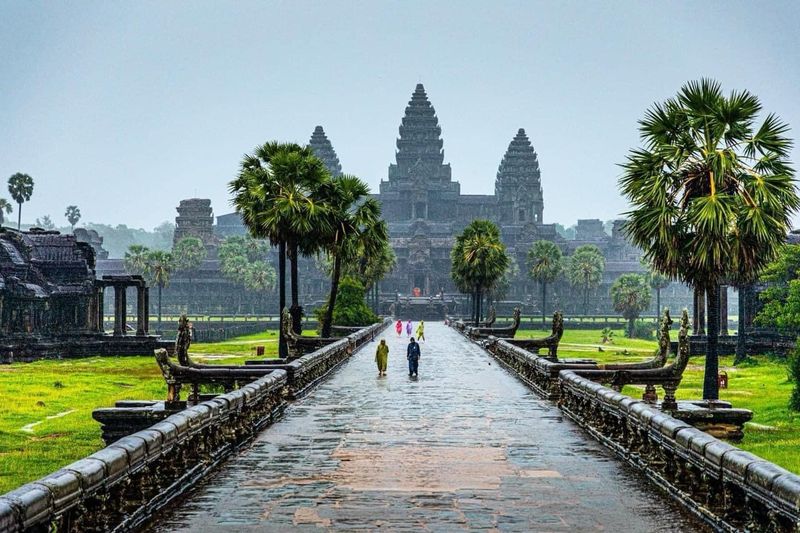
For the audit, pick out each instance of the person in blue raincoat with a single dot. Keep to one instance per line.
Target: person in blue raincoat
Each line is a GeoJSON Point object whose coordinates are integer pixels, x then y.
{"type": "Point", "coordinates": [412, 354]}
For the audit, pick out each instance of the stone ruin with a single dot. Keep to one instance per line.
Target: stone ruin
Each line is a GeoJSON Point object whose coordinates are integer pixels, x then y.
{"type": "Point", "coordinates": [51, 304]}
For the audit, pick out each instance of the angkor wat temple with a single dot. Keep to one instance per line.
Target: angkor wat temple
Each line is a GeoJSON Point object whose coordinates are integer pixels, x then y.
{"type": "Point", "coordinates": [425, 210]}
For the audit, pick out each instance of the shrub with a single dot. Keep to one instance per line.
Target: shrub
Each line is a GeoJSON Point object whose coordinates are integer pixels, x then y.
{"type": "Point", "coordinates": [350, 308]}
{"type": "Point", "coordinates": [641, 330]}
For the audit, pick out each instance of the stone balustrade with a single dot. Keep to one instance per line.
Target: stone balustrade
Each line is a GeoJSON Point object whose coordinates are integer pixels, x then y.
{"type": "Point", "coordinates": [119, 487]}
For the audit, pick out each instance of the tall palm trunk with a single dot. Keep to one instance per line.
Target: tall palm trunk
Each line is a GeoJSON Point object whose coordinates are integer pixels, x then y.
{"type": "Point", "coordinates": [328, 321]}
{"type": "Point", "coordinates": [658, 304]}
{"type": "Point", "coordinates": [159, 307]}
{"type": "Point", "coordinates": [544, 301]}
{"type": "Point", "coordinates": [283, 350]}
{"type": "Point", "coordinates": [19, 216]}
{"type": "Point", "coordinates": [475, 299]}
{"type": "Point", "coordinates": [710, 383]}
{"type": "Point", "coordinates": [295, 311]}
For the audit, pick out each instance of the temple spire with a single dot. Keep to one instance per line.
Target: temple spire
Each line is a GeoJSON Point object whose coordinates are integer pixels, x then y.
{"type": "Point", "coordinates": [324, 150]}
{"type": "Point", "coordinates": [518, 185]}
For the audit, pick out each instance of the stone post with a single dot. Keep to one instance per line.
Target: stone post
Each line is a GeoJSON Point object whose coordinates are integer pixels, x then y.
{"type": "Point", "coordinates": [120, 309]}
{"type": "Point", "coordinates": [140, 313]}
{"type": "Point", "coordinates": [699, 314]}
{"type": "Point", "coordinates": [100, 309]}
{"type": "Point", "coordinates": [146, 310]}
{"type": "Point", "coordinates": [723, 310]}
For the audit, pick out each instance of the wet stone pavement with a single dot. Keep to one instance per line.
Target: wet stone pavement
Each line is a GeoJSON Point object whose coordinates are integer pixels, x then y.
{"type": "Point", "coordinates": [464, 447]}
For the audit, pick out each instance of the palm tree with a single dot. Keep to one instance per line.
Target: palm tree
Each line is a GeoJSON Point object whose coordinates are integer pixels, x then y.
{"type": "Point", "coordinates": [275, 193]}
{"type": "Point", "coordinates": [5, 209]}
{"type": "Point", "coordinates": [545, 264]}
{"type": "Point", "coordinates": [158, 271]}
{"type": "Point", "coordinates": [73, 215]}
{"type": "Point", "coordinates": [630, 294]}
{"type": "Point", "coordinates": [20, 187]}
{"type": "Point", "coordinates": [585, 270]}
{"type": "Point", "coordinates": [712, 194]}
{"type": "Point", "coordinates": [136, 259]}
{"type": "Point", "coordinates": [259, 277]}
{"type": "Point", "coordinates": [657, 281]}
{"type": "Point", "coordinates": [479, 259]}
{"type": "Point", "coordinates": [355, 229]}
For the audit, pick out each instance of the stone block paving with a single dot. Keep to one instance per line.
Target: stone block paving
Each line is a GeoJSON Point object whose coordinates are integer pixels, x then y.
{"type": "Point", "coordinates": [465, 447]}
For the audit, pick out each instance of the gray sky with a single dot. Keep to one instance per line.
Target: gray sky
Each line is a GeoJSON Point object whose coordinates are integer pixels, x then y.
{"type": "Point", "coordinates": [124, 108]}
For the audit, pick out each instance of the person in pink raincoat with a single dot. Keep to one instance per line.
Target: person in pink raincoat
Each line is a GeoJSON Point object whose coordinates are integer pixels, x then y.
{"type": "Point", "coordinates": [399, 327]}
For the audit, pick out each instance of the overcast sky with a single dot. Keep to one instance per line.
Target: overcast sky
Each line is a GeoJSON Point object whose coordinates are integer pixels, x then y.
{"type": "Point", "coordinates": [124, 108]}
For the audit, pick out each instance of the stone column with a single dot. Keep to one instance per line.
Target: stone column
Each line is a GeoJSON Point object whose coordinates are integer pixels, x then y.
{"type": "Point", "coordinates": [100, 295]}
{"type": "Point", "coordinates": [723, 310]}
{"type": "Point", "coordinates": [146, 310]}
{"type": "Point", "coordinates": [120, 309]}
{"type": "Point", "coordinates": [140, 313]}
{"type": "Point", "coordinates": [699, 315]}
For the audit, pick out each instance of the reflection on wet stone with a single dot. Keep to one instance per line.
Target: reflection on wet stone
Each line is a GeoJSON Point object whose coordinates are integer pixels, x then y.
{"type": "Point", "coordinates": [465, 447]}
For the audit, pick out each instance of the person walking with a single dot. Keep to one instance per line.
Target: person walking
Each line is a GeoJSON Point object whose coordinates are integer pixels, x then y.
{"type": "Point", "coordinates": [412, 354]}
{"type": "Point", "coordinates": [409, 328]}
{"type": "Point", "coordinates": [399, 327]}
{"type": "Point", "coordinates": [421, 330]}
{"type": "Point", "coordinates": [382, 357]}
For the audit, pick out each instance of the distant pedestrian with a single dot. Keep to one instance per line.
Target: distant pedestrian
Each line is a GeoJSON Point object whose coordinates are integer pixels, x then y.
{"type": "Point", "coordinates": [382, 357]}
{"type": "Point", "coordinates": [412, 354]}
{"type": "Point", "coordinates": [399, 327]}
{"type": "Point", "coordinates": [409, 328]}
{"type": "Point", "coordinates": [421, 330]}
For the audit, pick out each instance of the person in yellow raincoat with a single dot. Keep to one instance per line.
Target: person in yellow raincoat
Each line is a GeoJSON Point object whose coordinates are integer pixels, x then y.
{"type": "Point", "coordinates": [382, 357]}
{"type": "Point", "coordinates": [421, 331]}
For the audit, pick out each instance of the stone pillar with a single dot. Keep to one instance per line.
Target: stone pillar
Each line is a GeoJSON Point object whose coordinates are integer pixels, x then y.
{"type": "Point", "coordinates": [699, 314]}
{"type": "Point", "coordinates": [120, 309]}
{"type": "Point", "coordinates": [140, 313]}
{"type": "Point", "coordinates": [723, 310]}
{"type": "Point", "coordinates": [100, 309]}
{"type": "Point", "coordinates": [146, 310]}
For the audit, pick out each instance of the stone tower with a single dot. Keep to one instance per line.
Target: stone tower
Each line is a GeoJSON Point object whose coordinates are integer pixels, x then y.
{"type": "Point", "coordinates": [196, 219]}
{"type": "Point", "coordinates": [518, 186]}
{"type": "Point", "coordinates": [324, 150]}
{"type": "Point", "coordinates": [420, 184]}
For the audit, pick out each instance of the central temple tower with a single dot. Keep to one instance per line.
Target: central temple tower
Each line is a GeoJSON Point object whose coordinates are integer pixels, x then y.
{"type": "Point", "coordinates": [420, 183]}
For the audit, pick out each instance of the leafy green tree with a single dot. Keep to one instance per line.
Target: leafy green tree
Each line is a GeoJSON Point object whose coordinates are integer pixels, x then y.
{"type": "Point", "coordinates": [73, 215]}
{"type": "Point", "coordinates": [712, 194]}
{"type": "Point", "coordinates": [350, 308]}
{"type": "Point", "coordinates": [545, 265]}
{"type": "Point", "coordinates": [45, 223]}
{"type": "Point", "coordinates": [478, 259]}
{"type": "Point", "coordinates": [20, 187]}
{"type": "Point", "coordinates": [5, 209]}
{"type": "Point", "coordinates": [500, 289]}
{"type": "Point", "coordinates": [630, 294]}
{"type": "Point", "coordinates": [585, 269]}
{"type": "Point", "coordinates": [794, 376]}
{"type": "Point", "coordinates": [370, 267]}
{"type": "Point", "coordinates": [276, 193]}
{"type": "Point", "coordinates": [136, 260]}
{"type": "Point", "coordinates": [781, 297]}
{"type": "Point", "coordinates": [355, 230]}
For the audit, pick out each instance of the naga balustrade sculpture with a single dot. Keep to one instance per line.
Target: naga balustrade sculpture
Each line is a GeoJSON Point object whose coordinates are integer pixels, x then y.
{"type": "Point", "coordinates": [491, 317]}
{"type": "Point", "coordinates": [177, 375]}
{"type": "Point", "coordinates": [504, 332]}
{"type": "Point", "coordinates": [668, 377]}
{"type": "Point", "coordinates": [659, 360]}
{"type": "Point", "coordinates": [550, 342]}
{"type": "Point", "coordinates": [299, 345]}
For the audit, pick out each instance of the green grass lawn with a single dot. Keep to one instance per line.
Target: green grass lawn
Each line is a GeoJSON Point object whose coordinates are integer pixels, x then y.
{"type": "Point", "coordinates": [46, 407]}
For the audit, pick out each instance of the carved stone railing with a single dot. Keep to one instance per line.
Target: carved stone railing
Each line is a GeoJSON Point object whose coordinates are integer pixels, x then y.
{"type": "Point", "coordinates": [503, 332]}
{"type": "Point", "coordinates": [299, 345]}
{"type": "Point", "coordinates": [550, 342]}
{"type": "Point", "coordinates": [119, 487]}
{"type": "Point", "coordinates": [731, 489]}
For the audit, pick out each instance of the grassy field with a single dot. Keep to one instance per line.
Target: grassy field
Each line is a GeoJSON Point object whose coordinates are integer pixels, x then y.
{"type": "Point", "coordinates": [760, 385]}
{"type": "Point", "coordinates": [46, 407]}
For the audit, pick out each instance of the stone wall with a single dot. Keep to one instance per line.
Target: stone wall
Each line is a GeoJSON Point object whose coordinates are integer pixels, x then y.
{"type": "Point", "coordinates": [119, 487]}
